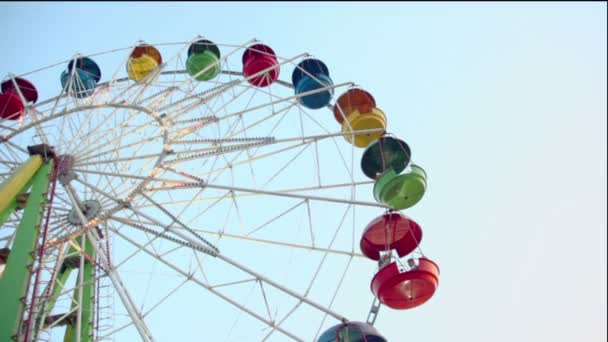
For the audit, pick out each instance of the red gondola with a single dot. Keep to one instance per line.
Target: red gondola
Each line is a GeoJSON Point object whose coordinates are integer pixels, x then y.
{"type": "Point", "coordinates": [390, 231]}
{"type": "Point", "coordinates": [257, 58]}
{"type": "Point", "coordinates": [406, 289]}
{"type": "Point", "coordinates": [12, 106]}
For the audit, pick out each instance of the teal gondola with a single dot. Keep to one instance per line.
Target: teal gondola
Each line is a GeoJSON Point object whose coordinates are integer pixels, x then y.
{"type": "Point", "coordinates": [312, 75]}
{"type": "Point", "coordinates": [81, 77]}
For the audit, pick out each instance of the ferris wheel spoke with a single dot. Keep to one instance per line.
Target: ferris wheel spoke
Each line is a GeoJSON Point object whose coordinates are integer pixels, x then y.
{"type": "Point", "coordinates": [139, 87]}
{"type": "Point", "coordinates": [183, 106]}
{"type": "Point", "coordinates": [284, 112]}
{"type": "Point", "coordinates": [206, 286]}
{"type": "Point", "coordinates": [353, 133]}
{"type": "Point", "coordinates": [334, 295]}
{"type": "Point", "coordinates": [182, 156]}
{"type": "Point", "coordinates": [78, 141]}
{"type": "Point", "coordinates": [279, 323]}
{"type": "Point", "coordinates": [199, 179]}
{"type": "Point", "coordinates": [63, 96]}
{"type": "Point", "coordinates": [234, 163]}
{"type": "Point", "coordinates": [69, 111]}
{"type": "Point", "coordinates": [6, 127]}
{"type": "Point", "coordinates": [151, 236]}
{"type": "Point", "coordinates": [285, 99]}
{"type": "Point", "coordinates": [257, 276]}
{"type": "Point", "coordinates": [189, 81]}
{"type": "Point", "coordinates": [8, 166]}
{"type": "Point", "coordinates": [164, 298]}
{"type": "Point", "coordinates": [270, 193]}
{"type": "Point", "coordinates": [208, 247]}
{"type": "Point", "coordinates": [324, 258]}
{"type": "Point", "coordinates": [289, 162]}
{"type": "Point", "coordinates": [204, 211]}
{"type": "Point", "coordinates": [153, 306]}
{"type": "Point", "coordinates": [119, 160]}
{"type": "Point", "coordinates": [10, 146]}
{"type": "Point", "coordinates": [243, 268]}
{"type": "Point", "coordinates": [220, 142]}
{"type": "Point", "coordinates": [67, 132]}
{"type": "Point", "coordinates": [211, 249]}
{"type": "Point", "coordinates": [247, 237]}
{"type": "Point", "coordinates": [208, 119]}
{"type": "Point", "coordinates": [126, 175]}
{"type": "Point", "coordinates": [155, 235]}
{"type": "Point", "coordinates": [305, 140]}
{"type": "Point", "coordinates": [135, 315]}
{"type": "Point", "coordinates": [281, 288]}
{"type": "Point", "coordinates": [244, 281]}
{"type": "Point", "coordinates": [138, 144]}
{"type": "Point", "coordinates": [261, 72]}
{"type": "Point", "coordinates": [107, 179]}
{"type": "Point", "coordinates": [158, 97]}
{"type": "Point", "coordinates": [57, 209]}
{"type": "Point", "coordinates": [199, 121]}
{"type": "Point", "coordinates": [318, 163]}
{"type": "Point", "coordinates": [119, 137]}
{"type": "Point", "coordinates": [148, 80]}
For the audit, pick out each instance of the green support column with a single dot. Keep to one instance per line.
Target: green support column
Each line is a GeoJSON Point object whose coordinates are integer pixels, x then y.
{"type": "Point", "coordinates": [88, 295]}
{"type": "Point", "coordinates": [88, 299]}
{"type": "Point", "coordinates": [11, 186]}
{"type": "Point", "coordinates": [12, 204]}
{"type": "Point", "coordinates": [14, 280]}
{"type": "Point", "coordinates": [10, 207]}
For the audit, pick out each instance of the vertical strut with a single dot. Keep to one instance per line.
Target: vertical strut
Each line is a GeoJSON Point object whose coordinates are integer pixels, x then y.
{"type": "Point", "coordinates": [84, 293]}
{"type": "Point", "coordinates": [14, 281]}
{"type": "Point", "coordinates": [88, 294]}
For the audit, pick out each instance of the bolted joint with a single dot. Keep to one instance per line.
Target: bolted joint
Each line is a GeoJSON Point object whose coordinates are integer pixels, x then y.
{"type": "Point", "coordinates": [4, 253]}
{"type": "Point", "coordinates": [125, 204]}
{"type": "Point", "coordinates": [45, 151]}
{"type": "Point", "coordinates": [22, 200]}
{"type": "Point", "coordinates": [65, 163]}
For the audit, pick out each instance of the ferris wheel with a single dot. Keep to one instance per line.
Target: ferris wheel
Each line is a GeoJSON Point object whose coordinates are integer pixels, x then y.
{"type": "Point", "coordinates": [192, 188]}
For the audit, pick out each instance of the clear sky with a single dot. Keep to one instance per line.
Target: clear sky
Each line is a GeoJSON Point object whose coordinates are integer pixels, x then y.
{"type": "Point", "coordinates": [504, 104]}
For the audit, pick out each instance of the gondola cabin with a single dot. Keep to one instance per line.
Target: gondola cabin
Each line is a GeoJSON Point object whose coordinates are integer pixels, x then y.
{"type": "Point", "coordinates": [16, 94]}
{"type": "Point", "coordinates": [203, 62]}
{"type": "Point", "coordinates": [390, 231]}
{"type": "Point", "coordinates": [400, 191]}
{"type": "Point", "coordinates": [143, 60]}
{"type": "Point", "coordinates": [401, 289]}
{"type": "Point", "coordinates": [383, 154]}
{"type": "Point", "coordinates": [260, 65]}
{"type": "Point", "coordinates": [312, 75]}
{"type": "Point", "coordinates": [352, 332]}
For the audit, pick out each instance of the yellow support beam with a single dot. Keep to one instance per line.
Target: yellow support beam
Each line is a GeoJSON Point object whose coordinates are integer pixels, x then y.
{"type": "Point", "coordinates": [11, 186]}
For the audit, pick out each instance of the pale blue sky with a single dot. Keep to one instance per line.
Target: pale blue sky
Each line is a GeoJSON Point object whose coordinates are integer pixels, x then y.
{"type": "Point", "coordinates": [504, 104]}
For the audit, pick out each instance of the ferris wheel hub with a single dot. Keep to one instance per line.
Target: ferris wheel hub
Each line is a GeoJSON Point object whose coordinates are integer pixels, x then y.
{"type": "Point", "coordinates": [65, 174]}
{"type": "Point", "coordinates": [90, 209]}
